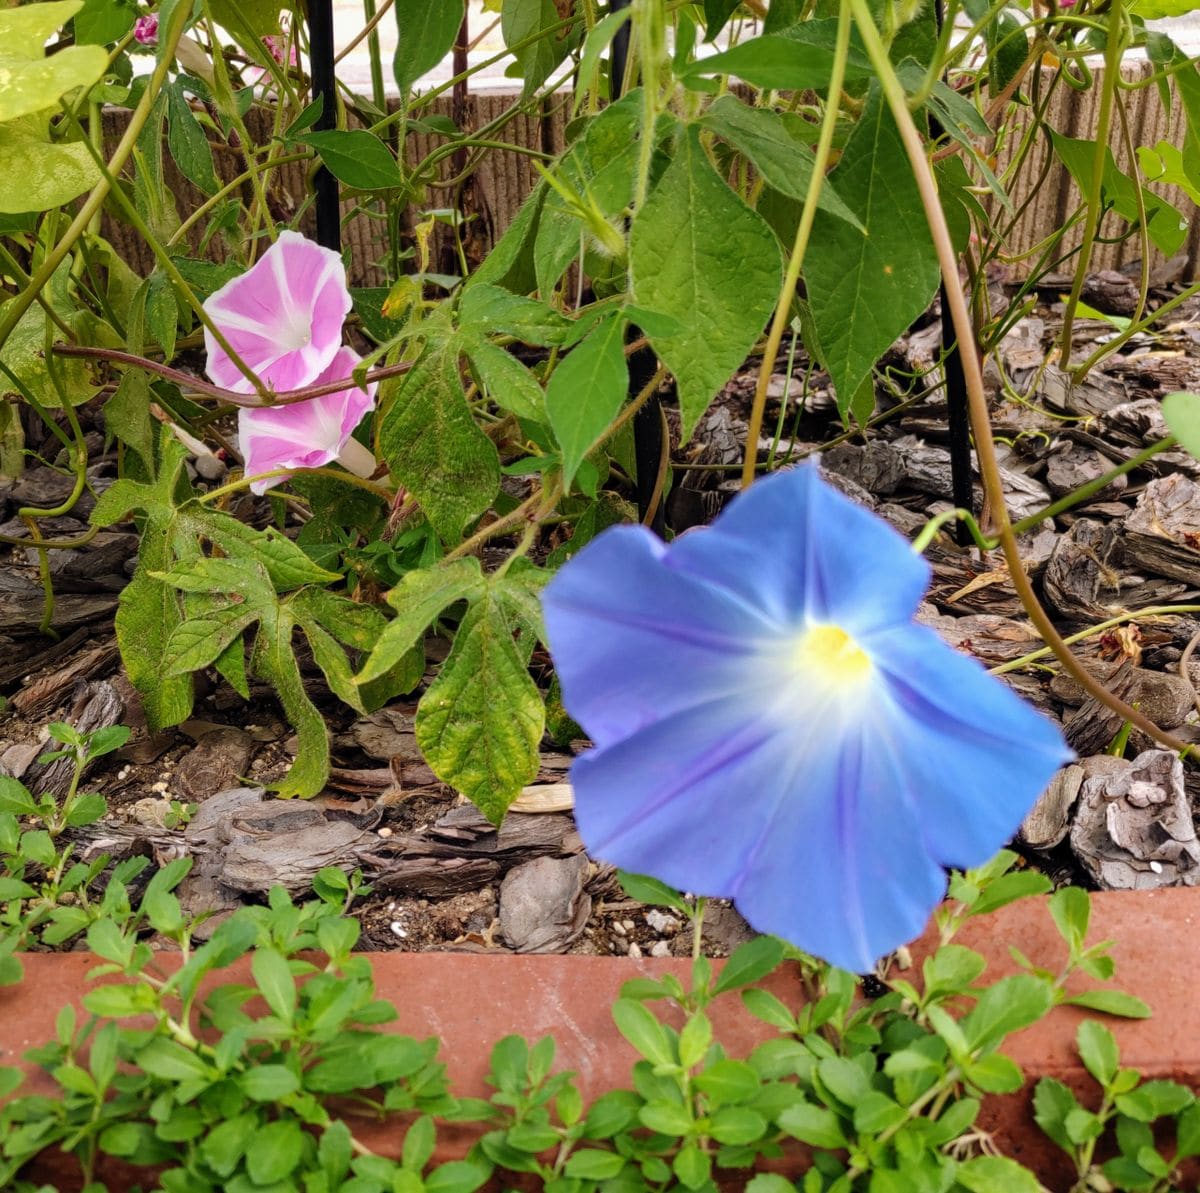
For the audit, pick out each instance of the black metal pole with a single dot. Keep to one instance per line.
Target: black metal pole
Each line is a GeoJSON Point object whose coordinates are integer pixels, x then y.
{"type": "Point", "coordinates": [648, 421]}
{"type": "Point", "coordinates": [958, 418]}
{"type": "Point", "coordinates": [325, 186]}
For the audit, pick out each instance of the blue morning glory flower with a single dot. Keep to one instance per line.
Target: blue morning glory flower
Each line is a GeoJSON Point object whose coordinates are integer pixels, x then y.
{"type": "Point", "coordinates": [771, 725]}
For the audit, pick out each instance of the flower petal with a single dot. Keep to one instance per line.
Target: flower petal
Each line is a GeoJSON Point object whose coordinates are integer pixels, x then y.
{"type": "Point", "coordinates": [794, 547]}
{"type": "Point", "coordinates": [976, 752]}
{"type": "Point", "coordinates": [811, 842]}
{"type": "Point", "coordinates": [283, 316]}
{"type": "Point", "coordinates": [625, 626]}
{"type": "Point", "coordinates": [303, 434]}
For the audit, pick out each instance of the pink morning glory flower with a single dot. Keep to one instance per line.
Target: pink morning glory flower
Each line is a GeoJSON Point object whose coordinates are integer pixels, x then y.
{"type": "Point", "coordinates": [308, 434]}
{"type": "Point", "coordinates": [283, 316]}
{"type": "Point", "coordinates": [145, 30]}
{"type": "Point", "coordinates": [772, 726]}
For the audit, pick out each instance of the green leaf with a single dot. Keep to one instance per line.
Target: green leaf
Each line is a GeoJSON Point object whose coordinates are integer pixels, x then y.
{"type": "Point", "coordinates": [120, 1002]}
{"type": "Point", "coordinates": [101, 22]}
{"type": "Point", "coordinates": [728, 1081]}
{"type": "Point", "coordinates": [491, 309]}
{"type": "Point", "coordinates": [188, 145]}
{"type": "Point", "coordinates": [865, 290]}
{"type": "Point", "coordinates": [716, 16]}
{"type": "Point", "coordinates": [586, 392]}
{"type": "Point", "coordinates": [692, 1166]}
{"type": "Point", "coordinates": [506, 380]}
{"type": "Point", "coordinates": [1153, 10]}
{"type": "Point", "coordinates": [1071, 908]}
{"type": "Point", "coordinates": [1167, 164]}
{"type": "Point", "coordinates": [996, 1174]}
{"type": "Point", "coordinates": [798, 60]}
{"type": "Point", "coordinates": [434, 447]}
{"type": "Point", "coordinates": [593, 1165]}
{"type": "Point", "coordinates": [844, 1079]}
{"type": "Point", "coordinates": [227, 1142]}
{"type": "Point", "coordinates": [418, 599]}
{"type": "Point", "coordinates": [198, 642]}
{"type": "Point", "coordinates": [40, 174]}
{"type": "Point", "coordinates": [33, 82]}
{"type": "Point", "coordinates": [521, 20]}
{"type": "Point", "coordinates": [639, 1026]}
{"type": "Point", "coordinates": [277, 1151]}
{"type": "Point", "coordinates": [995, 1074]}
{"type": "Point", "coordinates": [1153, 1099]}
{"type": "Point", "coordinates": [24, 352]}
{"type": "Point", "coordinates": [645, 889]}
{"type": "Point", "coordinates": [457, 1176]}
{"type": "Point", "coordinates": [257, 17]}
{"type": "Point", "coordinates": [1098, 1050]}
{"type": "Point", "coordinates": [775, 146]}
{"type": "Point", "coordinates": [814, 1125]}
{"type": "Point", "coordinates": [1164, 223]}
{"type": "Point", "coordinates": [426, 35]}
{"type": "Point", "coordinates": [356, 157]}
{"type": "Point", "coordinates": [694, 1040]}
{"type": "Point", "coordinates": [268, 1083]}
{"type": "Point", "coordinates": [1007, 1006]}
{"type": "Point", "coordinates": [750, 962]}
{"type": "Point", "coordinates": [875, 1112]}
{"type": "Point", "coordinates": [172, 1061]}
{"type": "Point", "coordinates": [1182, 413]}
{"type": "Point", "coordinates": [480, 722]}
{"type": "Point", "coordinates": [716, 272]}
{"type": "Point", "coordinates": [510, 263]}
{"type": "Point", "coordinates": [15, 798]}
{"type": "Point", "coordinates": [1111, 1002]}
{"type": "Point", "coordinates": [273, 975]}
{"type": "Point", "coordinates": [1052, 1103]}
{"type": "Point", "coordinates": [951, 969]}
{"type": "Point", "coordinates": [275, 661]}
{"type": "Point", "coordinates": [1187, 1132]}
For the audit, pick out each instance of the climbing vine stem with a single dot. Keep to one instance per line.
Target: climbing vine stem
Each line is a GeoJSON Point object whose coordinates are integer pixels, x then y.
{"type": "Point", "coordinates": [985, 446]}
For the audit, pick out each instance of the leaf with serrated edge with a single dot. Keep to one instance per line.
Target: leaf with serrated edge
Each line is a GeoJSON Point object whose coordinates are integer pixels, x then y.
{"type": "Point", "coordinates": [717, 273]}
{"type": "Point", "coordinates": [480, 721]}
{"type": "Point", "coordinates": [865, 290]}
{"type": "Point", "coordinates": [418, 599]}
{"type": "Point", "coordinates": [435, 448]}
{"type": "Point", "coordinates": [200, 641]}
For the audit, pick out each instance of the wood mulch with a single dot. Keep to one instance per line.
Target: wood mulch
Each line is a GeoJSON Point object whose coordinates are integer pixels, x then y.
{"type": "Point", "coordinates": [442, 878]}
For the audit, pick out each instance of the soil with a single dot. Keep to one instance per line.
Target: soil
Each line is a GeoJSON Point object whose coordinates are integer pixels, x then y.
{"type": "Point", "coordinates": [443, 879]}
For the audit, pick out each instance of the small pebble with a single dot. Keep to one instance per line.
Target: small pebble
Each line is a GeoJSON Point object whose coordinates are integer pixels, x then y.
{"type": "Point", "coordinates": [385, 832]}
{"type": "Point", "coordinates": [635, 950]}
{"type": "Point", "coordinates": [160, 786]}
{"type": "Point", "coordinates": [1156, 867]}
{"type": "Point", "coordinates": [628, 925]}
{"type": "Point", "coordinates": [661, 922]}
{"type": "Point", "coordinates": [399, 930]}
{"type": "Point", "coordinates": [660, 948]}
{"type": "Point", "coordinates": [618, 928]}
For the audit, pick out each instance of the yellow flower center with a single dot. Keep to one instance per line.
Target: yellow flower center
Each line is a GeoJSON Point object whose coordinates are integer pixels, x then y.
{"type": "Point", "coordinates": [829, 652]}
